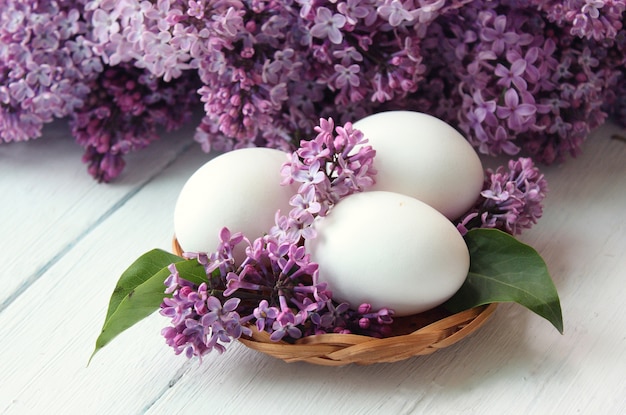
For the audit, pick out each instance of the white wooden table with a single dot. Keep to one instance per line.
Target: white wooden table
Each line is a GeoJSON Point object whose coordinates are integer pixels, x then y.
{"type": "Point", "coordinates": [66, 239]}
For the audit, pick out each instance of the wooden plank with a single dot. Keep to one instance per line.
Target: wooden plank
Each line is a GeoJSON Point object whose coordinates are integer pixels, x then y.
{"type": "Point", "coordinates": [50, 202]}
{"type": "Point", "coordinates": [56, 321]}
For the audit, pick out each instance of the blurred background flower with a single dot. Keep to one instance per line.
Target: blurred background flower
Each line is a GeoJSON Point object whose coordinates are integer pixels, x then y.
{"type": "Point", "coordinates": [516, 77]}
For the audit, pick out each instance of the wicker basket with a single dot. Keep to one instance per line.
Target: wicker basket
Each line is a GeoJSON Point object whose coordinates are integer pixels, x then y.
{"type": "Point", "coordinates": [416, 335]}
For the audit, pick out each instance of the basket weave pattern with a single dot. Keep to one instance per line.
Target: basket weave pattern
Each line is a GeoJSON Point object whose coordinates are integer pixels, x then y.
{"type": "Point", "coordinates": [416, 335]}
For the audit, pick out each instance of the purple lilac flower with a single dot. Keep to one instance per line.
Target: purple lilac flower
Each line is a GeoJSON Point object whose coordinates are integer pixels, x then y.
{"type": "Point", "coordinates": [45, 65]}
{"type": "Point", "coordinates": [287, 325]}
{"type": "Point", "coordinates": [324, 47]}
{"type": "Point", "coordinates": [592, 19]}
{"type": "Point", "coordinates": [200, 322]}
{"type": "Point", "coordinates": [265, 315]}
{"type": "Point", "coordinates": [123, 112]}
{"type": "Point", "coordinates": [328, 25]}
{"type": "Point", "coordinates": [511, 199]}
{"type": "Point", "coordinates": [546, 71]}
{"type": "Point", "coordinates": [333, 165]}
{"type": "Point", "coordinates": [542, 71]}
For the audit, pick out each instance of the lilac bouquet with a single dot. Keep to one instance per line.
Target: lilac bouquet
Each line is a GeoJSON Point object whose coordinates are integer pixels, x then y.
{"type": "Point", "coordinates": [212, 298]}
{"type": "Point", "coordinates": [50, 68]}
{"type": "Point", "coordinates": [517, 77]}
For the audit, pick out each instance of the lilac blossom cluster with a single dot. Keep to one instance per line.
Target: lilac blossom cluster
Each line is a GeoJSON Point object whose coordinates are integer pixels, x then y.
{"type": "Point", "coordinates": [45, 65]}
{"type": "Point", "coordinates": [275, 289]}
{"type": "Point", "coordinates": [124, 111]}
{"type": "Point", "coordinates": [270, 69]}
{"type": "Point", "coordinates": [517, 77]}
{"type": "Point", "coordinates": [334, 164]}
{"type": "Point", "coordinates": [511, 199]}
{"type": "Point", "coordinates": [532, 76]}
{"type": "Point", "coordinates": [512, 75]}
{"type": "Point", "coordinates": [50, 67]}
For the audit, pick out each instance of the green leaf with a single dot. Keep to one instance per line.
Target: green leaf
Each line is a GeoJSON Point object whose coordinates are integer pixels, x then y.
{"type": "Point", "coordinates": [503, 269]}
{"type": "Point", "coordinates": [140, 291]}
{"type": "Point", "coordinates": [139, 271]}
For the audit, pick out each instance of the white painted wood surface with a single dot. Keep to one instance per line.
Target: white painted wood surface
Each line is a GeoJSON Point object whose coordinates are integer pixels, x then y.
{"type": "Point", "coordinates": [66, 239]}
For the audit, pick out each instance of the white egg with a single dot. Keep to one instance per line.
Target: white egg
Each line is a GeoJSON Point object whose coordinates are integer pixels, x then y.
{"type": "Point", "coordinates": [389, 250]}
{"type": "Point", "coordinates": [239, 189]}
{"type": "Point", "coordinates": [423, 157]}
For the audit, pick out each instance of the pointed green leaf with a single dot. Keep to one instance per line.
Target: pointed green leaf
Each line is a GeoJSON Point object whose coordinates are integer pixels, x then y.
{"type": "Point", "coordinates": [140, 291]}
{"type": "Point", "coordinates": [503, 269]}
{"type": "Point", "coordinates": [139, 271]}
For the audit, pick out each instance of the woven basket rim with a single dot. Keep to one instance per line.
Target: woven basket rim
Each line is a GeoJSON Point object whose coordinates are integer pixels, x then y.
{"type": "Point", "coordinates": [343, 349]}
{"type": "Point", "coordinates": [425, 333]}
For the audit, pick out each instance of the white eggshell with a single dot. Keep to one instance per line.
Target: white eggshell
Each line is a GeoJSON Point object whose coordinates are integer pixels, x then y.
{"type": "Point", "coordinates": [423, 157]}
{"type": "Point", "coordinates": [239, 189]}
{"type": "Point", "coordinates": [389, 250]}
